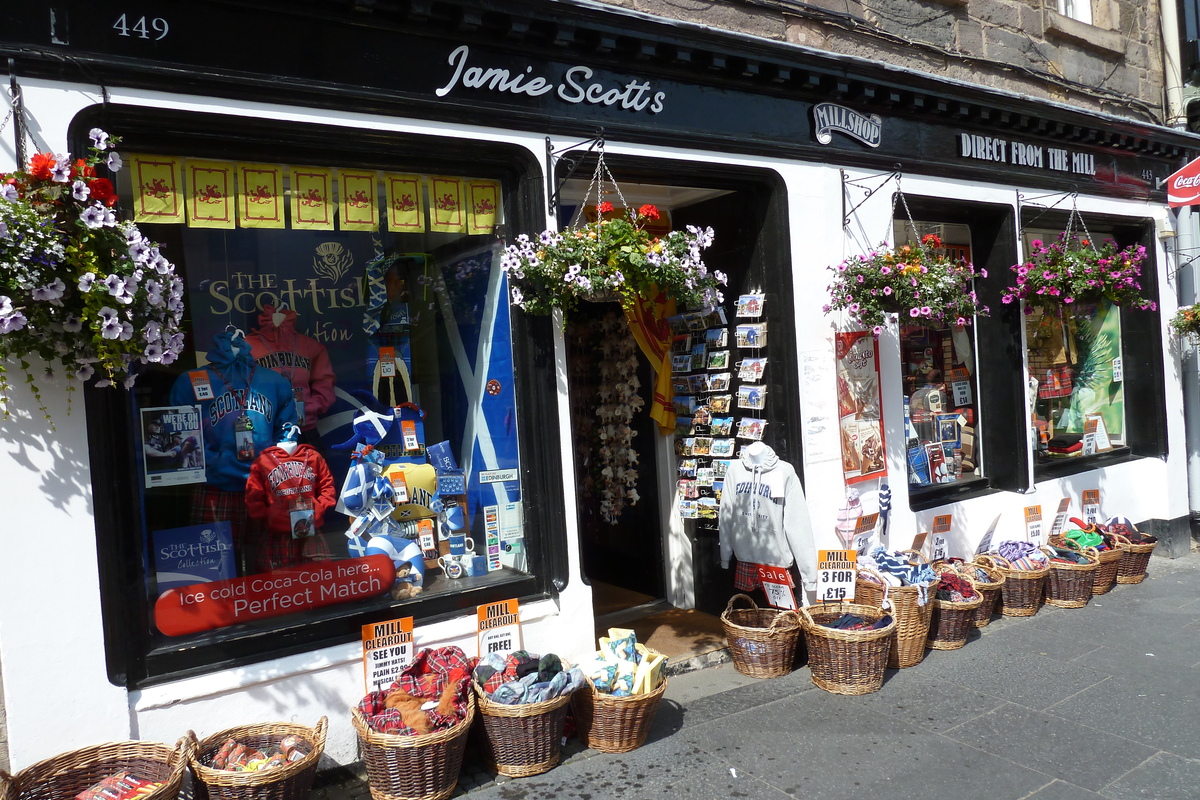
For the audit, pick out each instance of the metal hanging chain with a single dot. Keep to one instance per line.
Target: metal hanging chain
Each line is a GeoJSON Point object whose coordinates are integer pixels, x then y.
{"type": "Point", "coordinates": [1075, 215]}
{"type": "Point", "coordinates": [908, 214]}
{"type": "Point", "coordinates": [596, 186]}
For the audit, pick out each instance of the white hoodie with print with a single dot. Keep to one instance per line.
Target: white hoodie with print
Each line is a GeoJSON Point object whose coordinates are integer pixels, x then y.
{"type": "Point", "coordinates": [764, 516]}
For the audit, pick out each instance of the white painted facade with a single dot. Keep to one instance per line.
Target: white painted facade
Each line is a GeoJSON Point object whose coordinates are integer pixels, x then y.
{"type": "Point", "coordinates": [51, 629]}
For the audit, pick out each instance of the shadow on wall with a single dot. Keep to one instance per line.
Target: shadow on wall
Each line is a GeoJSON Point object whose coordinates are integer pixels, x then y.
{"type": "Point", "coordinates": [4, 762]}
{"type": "Point", "coordinates": [54, 449]}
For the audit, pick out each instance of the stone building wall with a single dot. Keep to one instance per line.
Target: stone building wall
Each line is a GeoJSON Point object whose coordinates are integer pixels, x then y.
{"type": "Point", "coordinates": [1113, 65]}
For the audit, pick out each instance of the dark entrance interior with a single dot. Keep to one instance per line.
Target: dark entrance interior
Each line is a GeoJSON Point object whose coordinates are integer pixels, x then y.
{"type": "Point", "coordinates": [629, 564]}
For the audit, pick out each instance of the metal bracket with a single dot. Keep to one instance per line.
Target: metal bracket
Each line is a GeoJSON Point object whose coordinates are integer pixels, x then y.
{"type": "Point", "coordinates": [888, 177]}
{"type": "Point", "coordinates": [573, 161]}
{"type": "Point", "coordinates": [18, 112]}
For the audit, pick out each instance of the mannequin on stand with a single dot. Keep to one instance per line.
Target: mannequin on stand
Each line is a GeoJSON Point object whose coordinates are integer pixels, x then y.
{"type": "Point", "coordinates": [764, 520]}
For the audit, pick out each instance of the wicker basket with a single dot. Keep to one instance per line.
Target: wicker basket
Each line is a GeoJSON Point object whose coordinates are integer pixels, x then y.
{"type": "Point", "coordinates": [1021, 594]}
{"type": "Point", "coordinates": [762, 641]}
{"type": "Point", "coordinates": [950, 623]}
{"type": "Point", "coordinates": [909, 640]}
{"type": "Point", "coordinates": [1105, 575]}
{"type": "Point", "coordinates": [615, 724]}
{"type": "Point", "coordinates": [1135, 558]}
{"type": "Point", "coordinates": [990, 589]}
{"type": "Point", "coordinates": [422, 767]}
{"type": "Point", "coordinates": [521, 740]}
{"type": "Point", "coordinates": [846, 662]}
{"type": "Point", "coordinates": [63, 776]}
{"type": "Point", "coordinates": [289, 782]}
{"type": "Point", "coordinates": [1070, 585]}
{"type": "Point", "coordinates": [867, 592]}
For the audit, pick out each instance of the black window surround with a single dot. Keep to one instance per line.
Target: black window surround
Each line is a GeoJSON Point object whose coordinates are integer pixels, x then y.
{"type": "Point", "coordinates": [999, 357]}
{"type": "Point", "coordinates": [132, 659]}
{"type": "Point", "coordinates": [1141, 349]}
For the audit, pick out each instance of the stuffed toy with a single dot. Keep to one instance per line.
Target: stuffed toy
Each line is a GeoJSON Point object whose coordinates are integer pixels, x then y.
{"type": "Point", "coordinates": [408, 559]}
{"type": "Point", "coordinates": [415, 710]}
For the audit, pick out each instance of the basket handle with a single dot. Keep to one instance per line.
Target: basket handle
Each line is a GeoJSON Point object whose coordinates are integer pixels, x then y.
{"type": "Point", "coordinates": [321, 730]}
{"type": "Point", "coordinates": [6, 781]}
{"type": "Point", "coordinates": [806, 620]}
{"type": "Point", "coordinates": [884, 603]}
{"type": "Point", "coordinates": [1121, 540]}
{"type": "Point", "coordinates": [992, 560]}
{"type": "Point", "coordinates": [746, 597]}
{"type": "Point", "coordinates": [192, 748]}
{"type": "Point", "coordinates": [784, 616]}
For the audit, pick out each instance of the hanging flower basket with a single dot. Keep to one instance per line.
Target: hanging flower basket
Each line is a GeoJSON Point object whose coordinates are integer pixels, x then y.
{"type": "Point", "coordinates": [919, 283]}
{"type": "Point", "coordinates": [611, 259]}
{"type": "Point", "coordinates": [79, 288]}
{"type": "Point", "coordinates": [1074, 270]}
{"type": "Point", "coordinates": [1186, 322]}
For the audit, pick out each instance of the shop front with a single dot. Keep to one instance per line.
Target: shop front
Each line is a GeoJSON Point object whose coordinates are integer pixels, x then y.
{"type": "Point", "coordinates": [339, 201]}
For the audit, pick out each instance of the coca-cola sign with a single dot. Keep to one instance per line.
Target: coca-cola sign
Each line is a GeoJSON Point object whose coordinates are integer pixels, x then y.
{"type": "Point", "coordinates": [1183, 187]}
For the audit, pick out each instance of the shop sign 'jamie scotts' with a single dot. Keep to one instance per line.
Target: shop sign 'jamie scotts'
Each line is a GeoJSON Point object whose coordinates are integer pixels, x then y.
{"type": "Point", "coordinates": [829, 117]}
{"type": "Point", "coordinates": [576, 85]}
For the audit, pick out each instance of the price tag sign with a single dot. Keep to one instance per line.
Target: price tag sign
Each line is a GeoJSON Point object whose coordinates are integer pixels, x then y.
{"type": "Point", "coordinates": [940, 548]}
{"type": "Point", "coordinates": [387, 362]}
{"type": "Point", "coordinates": [919, 541]}
{"type": "Point", "coordinates": [962, 393]}
{"type": "Point", "coordinates": [201, 387]}
{"type": "Point", "coordinates": [775, 585]}
{"type": "Point", "coordinates": [1034, 531]}
{"type": "Point", "coordinates": [985, 543]}
{"type": "Point", "coordinates": [1091, 506]}
{"type": "Point", "coordinates": [499, 627]}
{"type": "Point", "coordinates": [864, 529]}
{"type": "Point", "coordinates": [836, 573]}
{"type": "Point", "coordinates": [1060, 518]}
{"type": "Point", "coordinates": [387, 650]}
{"type": "Point", "coordinates": [1089, 437]}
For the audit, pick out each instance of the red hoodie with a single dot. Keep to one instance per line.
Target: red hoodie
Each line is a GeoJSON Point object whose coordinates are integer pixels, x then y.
{"type": "Point", "coordinates": [299, 358]}
{"type": "Point", "coordinates": [277, 478]}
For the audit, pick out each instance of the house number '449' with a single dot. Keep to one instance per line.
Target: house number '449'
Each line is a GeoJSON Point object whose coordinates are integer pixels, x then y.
{"type": "Point", "coordinates": [157, 25]}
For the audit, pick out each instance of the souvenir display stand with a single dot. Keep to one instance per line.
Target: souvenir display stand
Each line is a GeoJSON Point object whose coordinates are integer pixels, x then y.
{"type": "Point", "coordinates": [67, 775]}
{"type": "Point", "coordinates": [290, 781]}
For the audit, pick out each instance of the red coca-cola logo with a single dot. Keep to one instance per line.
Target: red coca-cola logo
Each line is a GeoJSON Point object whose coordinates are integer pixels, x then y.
{"type": "Point", "coordinates": [1183, 187]}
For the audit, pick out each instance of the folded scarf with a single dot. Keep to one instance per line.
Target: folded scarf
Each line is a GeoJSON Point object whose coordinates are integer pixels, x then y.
{"type": "Point", "coordinates": [955, 589]}
{"type": "Point", "coordinates": [896, 565]}
{"type": "Point", "coordinates": [1022, 555]}
{"type": "Point", "coordinates": [853, 622]}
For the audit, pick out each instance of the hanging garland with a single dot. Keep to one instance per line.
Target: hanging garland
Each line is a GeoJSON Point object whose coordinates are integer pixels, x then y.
{"type": "Point", "coordinates": [616, 459]}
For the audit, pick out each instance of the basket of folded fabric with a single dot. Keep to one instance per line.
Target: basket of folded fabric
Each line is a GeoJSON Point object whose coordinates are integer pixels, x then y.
{"type": "Point", "coordinates": [412, 752]}
{"type": "Point", "coordinates": [522, 707]}
{"type": "Point", "coordinates": [848, 646]}
{"type": "Point", "coordinates": [870, 588]}
{"type": "Point", "coordinates": [762, 641]}
{"type": "Point", "coordinates": [953, 609]}
{"type": "Point", "coordinates": [1069, 583]}
{"type": "Point", "coordinates": [1107, 548]}
{"type": "Point", "coordinates": [911, 588]}
{"type": "Point", "coordinates": [151, 770]}
{"type": "Point", "coordinates": [267, 761]}
{"type": "Point", "coordinates": [989, 580]}
{"type": "Point", "coordinates": [1024, 568]}
{"type": "Point", "coordinates": [1135, 549]}
{"type": "Point", "coordinates": [614, 711]}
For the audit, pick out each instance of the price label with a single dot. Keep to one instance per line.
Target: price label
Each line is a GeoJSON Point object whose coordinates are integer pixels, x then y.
{"type": "Point", "coordinates": [775, 585]}
{"type": "Point", "coordinates": [985, 543]}
{"type": "Point", "coordinates": [919, 541]}
{"type": "Point", "coordinates": [962, 393]}
{"type": "Point", "coordinates": [201, 387]}
{"type": "Point", "coordinates": [1060, 517]}
{"type": "Point", "coordinates": [836, 572]}
{"type": "Point", "coordinates": [387, 362]}
{"type": "Point", "coordinates": [1091, 506]}
{"type": "Point", "coordinates": [940, 547]}
{"type": "Point", "coordinates": [1034, 531]}
{"type": "Point", "coordinates": [499, 627]}
{"type": "Point", "coordinates": [387, 650]}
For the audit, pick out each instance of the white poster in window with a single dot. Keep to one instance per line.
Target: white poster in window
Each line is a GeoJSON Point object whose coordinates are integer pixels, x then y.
{"type": "Point", "coordinates": [172, 445]}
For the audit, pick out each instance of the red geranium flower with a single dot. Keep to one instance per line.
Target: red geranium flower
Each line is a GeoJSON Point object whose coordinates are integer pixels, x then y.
{"type": "Point", "coordinates": [102, 191]}
{"type": "Point", "coordinates": [931, 240]}
{"type": "Point", "coordinates": [81, 169]}
{"type": "Point", "coordinates": [41, 165]}
{"type": "Point", "coordinates": [604, 207]}
{"type": "Point", "coordinates": [648, 211]}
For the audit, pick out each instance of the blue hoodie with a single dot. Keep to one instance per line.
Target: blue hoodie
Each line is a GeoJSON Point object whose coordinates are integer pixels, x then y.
{"type": "Point", "coordinates": [270, 405]}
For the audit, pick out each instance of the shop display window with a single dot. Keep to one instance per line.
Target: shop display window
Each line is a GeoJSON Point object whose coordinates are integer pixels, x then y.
{"type": "Point", "coordinates": [339, 441]}
{"type": "Point", "coordinates": [1075, 381]}
{"type": "Point", "coordinates": [941, 395]}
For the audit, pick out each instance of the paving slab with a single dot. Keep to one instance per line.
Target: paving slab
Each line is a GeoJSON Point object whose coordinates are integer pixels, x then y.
{"type": "Point", "coordinates": [1147, 711]}
{"type": "Point", "coordinates": [1061, 790]}
{"type": "Point", "coordinates": [1019, 677]}
{"type": "Point", "coordinates": [1087, 757]}
{"type": "Point", "coordinates": [1163, 777]}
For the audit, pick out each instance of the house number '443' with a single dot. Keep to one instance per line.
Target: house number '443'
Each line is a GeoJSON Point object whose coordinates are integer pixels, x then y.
{"type": "Point", "coordinates": [158, 25]}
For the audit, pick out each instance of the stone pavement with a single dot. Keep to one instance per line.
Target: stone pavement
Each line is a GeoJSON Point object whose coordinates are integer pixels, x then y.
{"type": "Point", "coordinates": [1071, 704]}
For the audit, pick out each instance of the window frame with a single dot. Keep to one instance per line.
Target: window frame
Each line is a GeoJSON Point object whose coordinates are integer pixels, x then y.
{"type": "Point", "coordinates": [132, 659]}
{"type": "Point", "coordinates": [1141, 350]}
{"type": "Point", "coordinates": [999, 357]}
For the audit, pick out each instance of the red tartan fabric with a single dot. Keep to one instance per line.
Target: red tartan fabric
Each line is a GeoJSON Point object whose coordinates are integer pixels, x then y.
{"type": "Point", "coordinates": [210, 504]}
{"type": "Point", "coordinates": [745, 577]}
{"type": "Point", "coordinates": [425, 678]}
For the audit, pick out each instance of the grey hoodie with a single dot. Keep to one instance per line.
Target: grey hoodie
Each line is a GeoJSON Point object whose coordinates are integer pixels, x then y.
{"type": "Point", "coordinates": [764, 517]}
